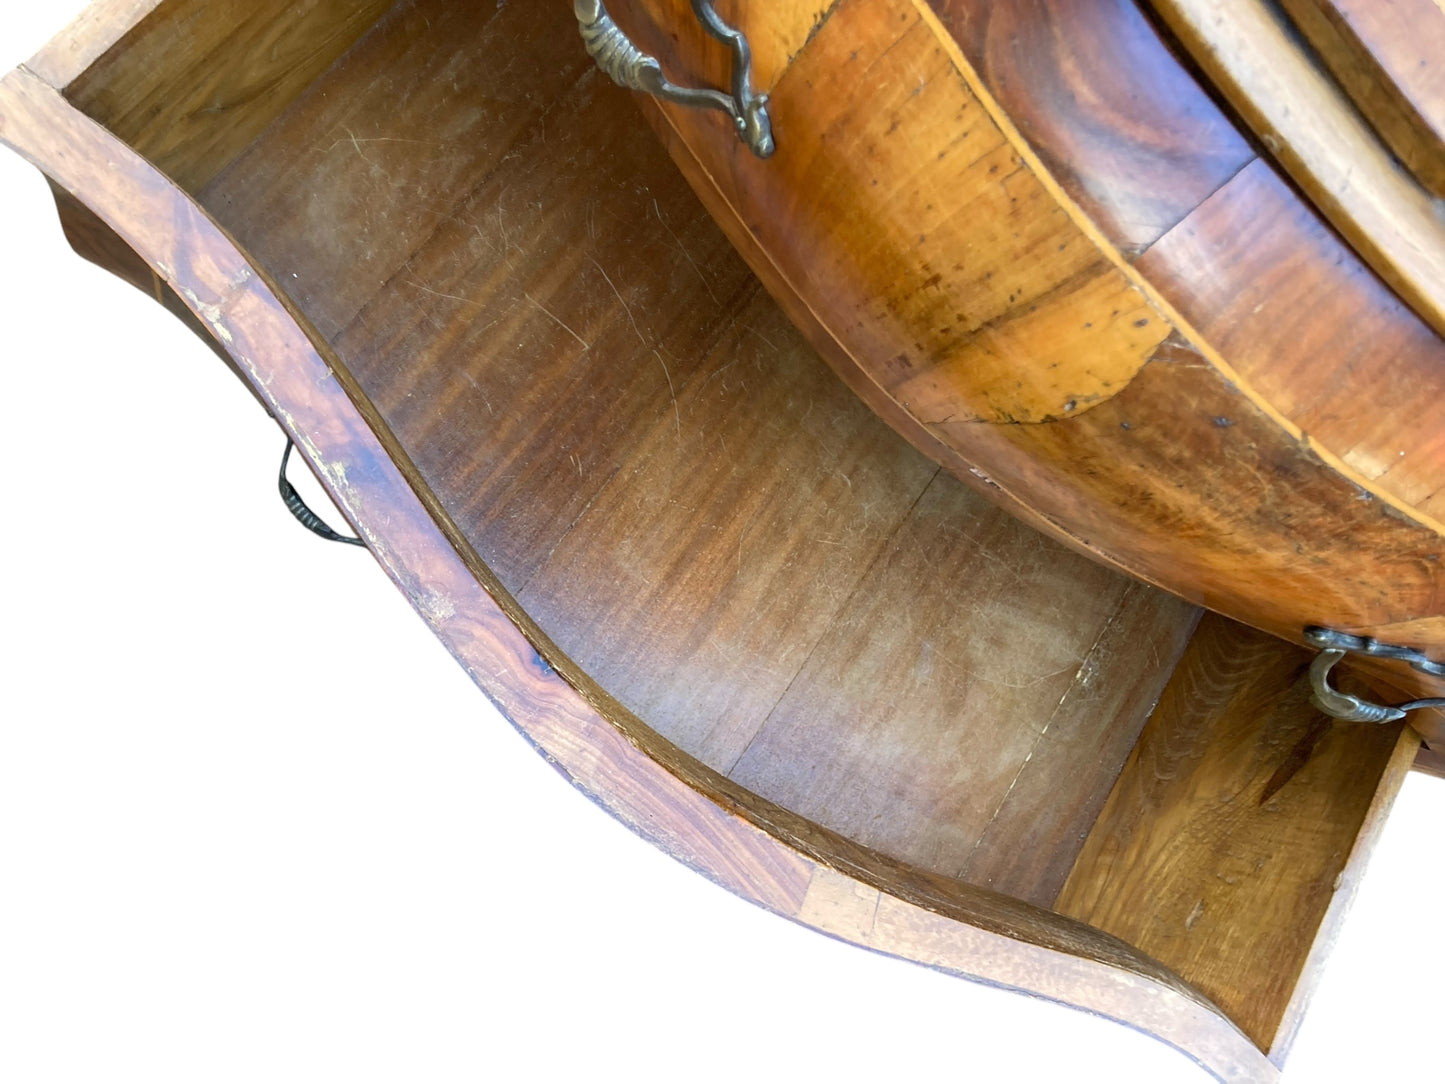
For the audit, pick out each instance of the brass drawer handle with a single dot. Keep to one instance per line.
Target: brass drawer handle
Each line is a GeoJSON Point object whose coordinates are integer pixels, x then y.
{"type": "Point", "coordinates": [630, 67]}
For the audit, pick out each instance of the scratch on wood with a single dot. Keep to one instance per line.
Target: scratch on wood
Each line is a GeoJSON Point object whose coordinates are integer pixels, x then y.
{"type": "Point", "coordinates": [625, 306]}
{"type": "Point", "coordinates": [557, 320]}
{"type": "Point", "coordinates": [1081, 677]}
{"type": "Point", "coordinates": [357, 142]}
{"type": "Point", "coordinates": [211, 314]}
{"type": "Point", "coordinates": [686, 254]}
{"type": "Point", "coordinates": [1194, 915]}
{"type": "Point", "coordinates": [438, 293]}
{"type": "Point", "coordinates": [672, 391]}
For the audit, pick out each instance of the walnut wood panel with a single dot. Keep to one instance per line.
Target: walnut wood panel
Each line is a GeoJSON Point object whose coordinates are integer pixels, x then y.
{"type": "Point", "coordinates": [1131, 136]}
{"type": "Point", "coordinates": [95, 241]}
{"type": "Point", "coordinates": [964, 278]}
{"type": "Point", "coordinates": [1226, 840]}
{"type": "Point", "coordinates": [1386, 55]}
{"type": "Point", "coordinates": [914, 723]}
{"type": "Point", "coordinates": [194, 81]}
{"type": "Point", "coordinates": [762, 853]}
{"type": "Point", "coordinates": [1033, 837]}
{"type": "Point", "coordinates": [98, 243]}
{"type": "Point", "coordinates": [393, 166]}
{"type": "Point", "coordinates": [91, 34]}
{"type": "Point", "coordinates": [730, 541]}
{"type": "Point", "coordinates": [1293, 310]}
{"type": "Point", "coordinates": [1117, 119]}
{"type": "Point", "coordinates": [1313, 331]}
{"type": "Point", "coordinates": [892, 217]}
{"type": "Point", "coordinates": [538, 313]}
{"type": "Point", "coordinates": [1249, 52]}
{"type": "Point", "coordinates": [654, 463]}
{"type": "Point", "coordinates": [1137, 142]}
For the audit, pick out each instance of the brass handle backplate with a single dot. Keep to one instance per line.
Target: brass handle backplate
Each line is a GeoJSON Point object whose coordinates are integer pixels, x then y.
{"type": "Point", "coordinates": [630, 67]}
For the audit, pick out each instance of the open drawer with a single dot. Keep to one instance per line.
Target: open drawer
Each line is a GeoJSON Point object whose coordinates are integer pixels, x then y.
{"type": "Point", "coordinates": [728, 602]}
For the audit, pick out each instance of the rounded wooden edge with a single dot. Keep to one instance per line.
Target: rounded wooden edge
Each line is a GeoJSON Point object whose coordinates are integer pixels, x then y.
{"type": "Point", "coordinates": [955, 928]}
{"type": "Point", "coordinates": [1314, 131]}
{"type": "Point", "coordinates": [728, 183]}
{"type": "Point", "coordinates": [87, 38]}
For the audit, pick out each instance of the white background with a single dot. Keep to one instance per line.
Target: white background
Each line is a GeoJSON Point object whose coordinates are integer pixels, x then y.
{"type": "Point", "coordinates": [255, 824]}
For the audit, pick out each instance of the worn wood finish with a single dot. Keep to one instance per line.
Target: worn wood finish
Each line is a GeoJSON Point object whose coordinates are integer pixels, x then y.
{"type": "Point", "coordinates": [1152, 159]}
{"type": "Point", "coordinates": [1226, 839]}
{"type": "Point", "coordinates": [1126, 129]}
{"type": "Point", "coordinates": [1049, 806]}
{"type": "Point", "coordinates": [543, 350]}
{"type": "Point", "coordinates": [98, 243]}
{"type": "Point", "coordinates": [192, 83]}
{"type": "Point", "coordinates": [1313, 331]}
{"type": "Point", "coordinates": [1386, 55]}
{"type": "Point", "coordinates": [82, 43]}
{"type": "Point", "coordinates": [661, 472]}
{"type": "Point", "coordinates": [987, 701]}
{"type": "Point", "coordinates": [1249, 53]}
{"type": "Point", "coordinates": [765, 854]}
{"type": "Point", "coordinates": [1044, 368]}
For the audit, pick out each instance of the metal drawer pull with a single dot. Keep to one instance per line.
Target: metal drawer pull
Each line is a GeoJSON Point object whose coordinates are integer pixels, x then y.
{"type": "Point", "coordinates": [630, 67]}
{"type": "Point", "coordinates": [1351, 709]}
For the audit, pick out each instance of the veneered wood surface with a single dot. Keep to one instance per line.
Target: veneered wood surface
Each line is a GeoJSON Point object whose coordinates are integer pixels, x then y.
{"type": "Point", "coordinates": [1112, 113]}
{"type": "Point", "coordinates": [1224, 843]}
{"type": "Point", "coordinates": [1021, 852]}
{"type": "Point", "coordinates": [1249, 52]}
{"type": "Point", "coordinates": [98, 243]}
{"type": "Point", "coordinates": [663, 474]}
{"type": "Point", "coordinates": [1346, 885]}
{"type": "Point", "coordinates": [194, 81]}
{"type": "Point", "coordinates": [1154, 162]}
{"type": "Point", "coordinates": [989, 693]}
{"type": "Point", "coordinates": [95, 241]}
{"type": "Point", "coordinates": [93, 31]}
{"type": "Point", "coordinates": [728, 543]}
{"type": "Point", "coordinates": [757, 851]}
{"type": "Point", "coordinates": [1163, 459]}
{"type": "Point", "coordinates": [1389, 56]}
{"type": "Point", "coordinates": [1313, 331]}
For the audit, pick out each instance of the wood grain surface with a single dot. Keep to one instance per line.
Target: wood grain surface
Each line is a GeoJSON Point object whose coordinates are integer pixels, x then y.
{"type": "Point", "coordinates": [1151, 158]}
{"type": "Point", "coordinates": [1387, 56]}
{"type": "Point", "coordinates": [91, 238]}
{"type": "Point", "coordinates": [1225, 842]}
{"type": "Point", "coordinates": [663, 474]}
{"type": "Point", "coordinates": [731, 509]}
{"type": "Point", "coordinates": [95, 30]}
{"type": "Point", "coordinates": [1045, 368]}
{"type": "Point", "coordinates": [1113, 114]}
{"type": "Point", "coordinates": [1313, 331]}
{"type": "Point", "coordinates": [756, 850]}
{"type": "Point", "coordinates": [1249, 51]}
{"type": "Point", "coordinates": [191, 83]}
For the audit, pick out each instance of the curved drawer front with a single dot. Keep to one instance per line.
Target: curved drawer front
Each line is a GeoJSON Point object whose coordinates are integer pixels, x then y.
{"type": "Point", "coordinates": [1146, 345]}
